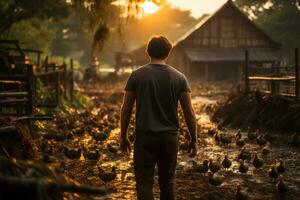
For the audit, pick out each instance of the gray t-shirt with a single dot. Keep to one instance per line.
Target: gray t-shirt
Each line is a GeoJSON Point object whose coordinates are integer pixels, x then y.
{"type": "Point", "coordinates": [157, 88]}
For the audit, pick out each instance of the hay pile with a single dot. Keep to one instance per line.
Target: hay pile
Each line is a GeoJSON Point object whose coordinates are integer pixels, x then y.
{"type": "Point", "coordinates": [258, 111]}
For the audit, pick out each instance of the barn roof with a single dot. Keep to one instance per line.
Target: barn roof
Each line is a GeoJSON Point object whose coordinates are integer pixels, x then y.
{"type": "Point", "coordinates": [207, 18]}
{"type": "Point", "coordinates": [218, 55]}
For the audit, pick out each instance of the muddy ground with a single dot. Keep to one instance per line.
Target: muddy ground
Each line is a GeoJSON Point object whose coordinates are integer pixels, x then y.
{"type": "Point", "coordinates": [79, 127]}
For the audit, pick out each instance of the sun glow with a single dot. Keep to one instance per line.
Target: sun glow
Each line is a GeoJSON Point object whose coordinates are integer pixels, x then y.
{"type": "Point", "coordinates": [149, 7]}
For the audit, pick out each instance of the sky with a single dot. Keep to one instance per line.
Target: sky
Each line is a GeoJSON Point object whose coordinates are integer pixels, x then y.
{"type": "Point", "coordinates": [198, 7]}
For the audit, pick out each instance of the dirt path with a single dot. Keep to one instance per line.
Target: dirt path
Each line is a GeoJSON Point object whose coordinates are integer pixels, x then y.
{"type": "Point", "coordinates": [189, 184]}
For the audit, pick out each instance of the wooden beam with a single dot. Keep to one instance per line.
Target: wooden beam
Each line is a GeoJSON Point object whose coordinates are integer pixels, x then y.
{"type": "Point", "coordinates": [13, 101]}
{"type": "Point", "coordinates": [30, 89]}
{"type": "Point", "coordinates": [13, 94]}
{"type": "Point", "coordinates": [42, 117]}
{"type": "Point", "coordinates": [297, 74]}
{"type": "Point", "coordinates": [267, 78]}
{"type": "Point", "coordinates": [246, 71]}
{"type": "Point", "coordinates": [72, 80]}
{"type": "Point", "coordinates": [13, 77]}
{"type": "Point", "coordinates": [6, 129]}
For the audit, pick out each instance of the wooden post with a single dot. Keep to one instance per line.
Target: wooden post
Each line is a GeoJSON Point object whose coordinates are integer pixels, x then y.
{"type": "Point", "coordinates": [71, 80]}
{"type": "Point", "coordinates": [20, 105]}
{"type": "Point", "coordinates": [246, 69]}
{"type": "Point", "coordinates": [56, 78]}
{"type": "Point", "coordinates": [30, 89]}
{"type": "Point", "coordinates": [65, 79]}
{"type": "Point", "coordinates": [46, 65]}
{"type": "Point", "coordinates": [297, 74]}
{"type": "Point", "coordinates": [38, 59]}
{"type": "Point", "coordinates": [272, 82]}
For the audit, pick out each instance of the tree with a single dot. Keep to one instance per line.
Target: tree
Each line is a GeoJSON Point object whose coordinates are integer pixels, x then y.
{"type": "Point", "coordinates": [279, 18]}
{"type": "Point", "coordinates": [13, 11]}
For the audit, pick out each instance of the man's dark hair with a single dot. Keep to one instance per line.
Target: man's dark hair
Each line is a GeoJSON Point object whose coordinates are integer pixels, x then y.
{"type": "Point", "coordinates": [159, 47]}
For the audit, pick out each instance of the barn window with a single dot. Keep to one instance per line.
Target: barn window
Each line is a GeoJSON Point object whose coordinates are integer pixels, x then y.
{"type": "Point", "coordinates": [205, 41]}
{"type": "Point", "coordinates": [206, 31]}
{"type": "Point", "coordinates": [227, 28]}
{"type": "Point", "coordinates": [214, 28]}
{"type": "Point", "coordinates": [249, 42]}
{"type": "Point", "coordinates": [214, 41]}
{"type": "Point", "coordinates": [227, 43]}
{"type": "Point", "coordinates": [242, 42]}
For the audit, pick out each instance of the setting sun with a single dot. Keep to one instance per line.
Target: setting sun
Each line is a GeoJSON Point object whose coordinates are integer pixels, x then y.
{"type": "Point", "coordinates": [149, 7]}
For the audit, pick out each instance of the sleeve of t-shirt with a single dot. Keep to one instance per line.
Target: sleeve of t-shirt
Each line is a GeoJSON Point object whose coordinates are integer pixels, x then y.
{"type": "Point", "coordinates": [185, 86]}
{"type": "Point", "coordinates": [131, 83]}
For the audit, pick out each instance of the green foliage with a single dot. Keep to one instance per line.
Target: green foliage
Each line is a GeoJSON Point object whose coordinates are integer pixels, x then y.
{"type": "Point", "coordinates": [33, 33]}
{"type": "Point", "coordinates": [281, 21]}
{"type": "Point", "coordinates": [13, 11]}
{"type": "Point", "coordinates": [44, 94]}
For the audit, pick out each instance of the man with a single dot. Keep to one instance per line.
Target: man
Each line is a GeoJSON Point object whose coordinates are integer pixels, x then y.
{"type": "Point", "coordinates": [156, 88]}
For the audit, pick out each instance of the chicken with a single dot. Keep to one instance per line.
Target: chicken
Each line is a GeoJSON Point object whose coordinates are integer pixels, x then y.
{"type": "Point", "coordinates": [201, 168]}
{"type": "Point", "coordinates": [239, 141]}
{"type": "Point", "coordinates": [281, 187]}
{"type": "Point", "coordinates": [211, 131]}
{"type": "Point", "coordinates": [273, 173]}
{"type": "Point", "coordinates": [79, 130]}
{"type": "Point", "coordinates": [261, 141]}
{"type": "Point", "coordinates": [91, 154]}
{"type": "Point", "coordinates": [111, 148]}
{"type": "Point", "coordinates": [244, 155]}
{"type": "Point", "coordinates": [214, 167]}
{"type": "Point", "coordinates": [184, 145]}
{"type": "Point", "coordinates": [107, 176]}
{"type": "Point", "coordinates": [226, 162]}
{"type": "Point", "coordinates": [238, 134]}
{"type": "Point", "coordinates": [252, 135]}
{"type": "Point", "coordinates": [215, 179]}
{"type": "Point", "coordinates": [240, 194]}
{"type": "Point", "coordinates": [243, 168]}
{"type": "Point", "coordinates": [72, 153]}
{"type": "Point", "coordinates": [217, 137]}
{"type": "Point", "coordinates": [257, 162]}
{"type": "Point", "coordinates": [100, 136]}
{"type": "Point", "coordinates": [280, 166]}
{"type": "Point", "coordinates": [225, 138]}
{"type": "Point", "coordinates": [266, 150]}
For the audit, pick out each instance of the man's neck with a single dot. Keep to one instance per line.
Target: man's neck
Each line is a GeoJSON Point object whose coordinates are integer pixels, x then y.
{"type": "Point", "coordinates": [157, 61]}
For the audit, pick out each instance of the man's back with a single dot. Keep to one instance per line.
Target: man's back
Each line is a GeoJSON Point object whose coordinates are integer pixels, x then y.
{"type": "Point", "coordinates": [157, 89]}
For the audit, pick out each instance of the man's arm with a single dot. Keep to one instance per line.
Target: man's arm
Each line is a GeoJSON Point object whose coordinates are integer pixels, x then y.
{"type": "Point", "coordinates": [190, 118]}
{"type": "Point", "coordinates": [126, 110]}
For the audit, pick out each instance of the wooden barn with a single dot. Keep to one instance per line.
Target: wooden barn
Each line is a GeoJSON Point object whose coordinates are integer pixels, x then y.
{"type": "Point", "coordinates": [214, 49]}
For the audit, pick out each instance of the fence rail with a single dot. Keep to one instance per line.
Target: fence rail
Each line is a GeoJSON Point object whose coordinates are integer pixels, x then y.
{"type": "Point", "coordinates": [21, 83]}
{"type": "Point", "coordinates": [275, 80]}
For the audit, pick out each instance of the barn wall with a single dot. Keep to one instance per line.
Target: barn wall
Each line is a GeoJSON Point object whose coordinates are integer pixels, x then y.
{"type": "Point", "coordinates": [228, 29]}
{"type": "Point", "coordinates": [216, 71]}
{"type": "Point", "coordinates": [178, 60]}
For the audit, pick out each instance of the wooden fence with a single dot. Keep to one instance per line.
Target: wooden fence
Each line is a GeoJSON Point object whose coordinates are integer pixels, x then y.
{"type": "Point", "coordinates": [21, 82]}
{"type": "Point", "coordinates": [275, 80]}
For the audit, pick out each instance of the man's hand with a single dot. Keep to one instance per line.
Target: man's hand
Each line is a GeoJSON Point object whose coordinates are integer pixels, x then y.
{"type": "Point", "coordinates": [126, 110]}
{"type": "Point", "coordinates": [192, 149]}
{"type": "Point", "coordinates": [125, 146]}
{"type": "Point", "coordinates": [190, 118]}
